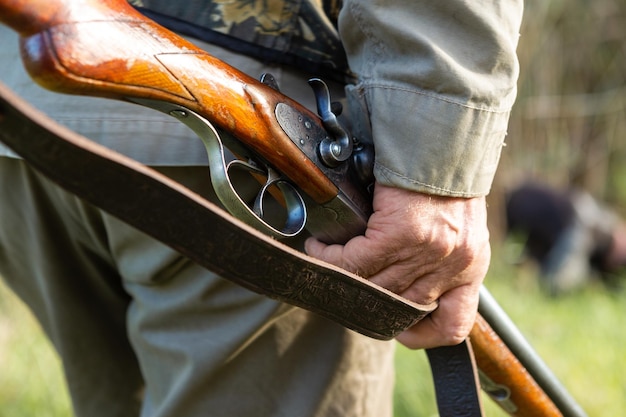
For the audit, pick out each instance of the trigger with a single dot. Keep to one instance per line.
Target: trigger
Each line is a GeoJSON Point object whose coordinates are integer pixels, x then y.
{"type": "Point", "coordinates": [294, 203]}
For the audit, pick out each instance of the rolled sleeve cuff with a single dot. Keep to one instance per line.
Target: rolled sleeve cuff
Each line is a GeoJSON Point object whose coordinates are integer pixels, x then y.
{"type": "Point", "coordinates": [429, 144]}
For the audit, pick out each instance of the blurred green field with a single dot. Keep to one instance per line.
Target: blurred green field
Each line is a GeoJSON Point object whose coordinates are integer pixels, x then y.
{"type": "Point", "coordinates": [31, 384]}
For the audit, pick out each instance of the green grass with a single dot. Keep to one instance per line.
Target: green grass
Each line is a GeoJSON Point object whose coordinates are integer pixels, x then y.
{"type": "Point", "coordinates": [31, 383]}
{"type": "Point", "coordinates": [581, 337]}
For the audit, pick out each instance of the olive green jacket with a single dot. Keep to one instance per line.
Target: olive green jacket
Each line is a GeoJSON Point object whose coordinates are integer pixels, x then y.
{"type": "Point", "coordinates": [438, 79]}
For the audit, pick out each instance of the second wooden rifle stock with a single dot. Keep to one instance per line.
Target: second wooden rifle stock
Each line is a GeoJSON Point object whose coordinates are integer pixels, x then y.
{"type": "Point", "coordinates": [106, 48]}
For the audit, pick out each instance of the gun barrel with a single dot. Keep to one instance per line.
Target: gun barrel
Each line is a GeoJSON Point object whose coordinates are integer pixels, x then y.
{"type": "Point", "coordinates": [495, 334]}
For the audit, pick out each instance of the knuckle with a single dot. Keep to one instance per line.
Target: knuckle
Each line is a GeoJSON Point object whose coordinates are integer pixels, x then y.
{"type": "Point", "coordinates": [454, 337]}
{"type": "Point", "coordinates": [421, 296]}
{"type": "Point", "coordinates": [454, 331]}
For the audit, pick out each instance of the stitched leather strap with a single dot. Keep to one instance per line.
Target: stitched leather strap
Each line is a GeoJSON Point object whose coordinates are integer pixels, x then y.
{"type": "Point", "coordinates": [178, 217]}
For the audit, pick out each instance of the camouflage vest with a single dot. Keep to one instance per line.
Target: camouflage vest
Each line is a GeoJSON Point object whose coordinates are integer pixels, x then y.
{"type": "Point", "coordinates": [299, 33]}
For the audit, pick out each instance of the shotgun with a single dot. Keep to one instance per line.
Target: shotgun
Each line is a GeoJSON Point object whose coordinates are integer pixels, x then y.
{"type": "Point", "coordinates": [308, 160]}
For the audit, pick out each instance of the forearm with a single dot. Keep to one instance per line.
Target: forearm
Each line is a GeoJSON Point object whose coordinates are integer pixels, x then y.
{"type": "Point", "coordinates": [438, 80]}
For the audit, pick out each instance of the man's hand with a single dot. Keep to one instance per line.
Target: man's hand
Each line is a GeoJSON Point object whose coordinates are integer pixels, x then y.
{"type": "Point", "coordinates": [426, 248]}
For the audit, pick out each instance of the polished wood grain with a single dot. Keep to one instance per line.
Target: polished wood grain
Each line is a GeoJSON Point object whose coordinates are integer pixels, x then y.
{"type": "Point", "coordinates": [498, 363]}
{"type": "Point", "coordinates": [108, 49]}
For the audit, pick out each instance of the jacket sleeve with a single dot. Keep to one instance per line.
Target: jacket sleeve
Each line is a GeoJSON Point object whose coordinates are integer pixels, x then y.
{"type": "Point", "coordinates": [436, 83]}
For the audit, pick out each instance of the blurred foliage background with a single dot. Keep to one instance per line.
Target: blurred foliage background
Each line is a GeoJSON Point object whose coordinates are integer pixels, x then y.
{"type": "Point", "coordinates": [568, 125]}
{"type": "Point", "coordinates": [567, 128]}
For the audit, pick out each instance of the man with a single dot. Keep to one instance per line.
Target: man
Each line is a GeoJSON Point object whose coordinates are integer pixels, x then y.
{"type": "Point", "coordinates": [141, 328]}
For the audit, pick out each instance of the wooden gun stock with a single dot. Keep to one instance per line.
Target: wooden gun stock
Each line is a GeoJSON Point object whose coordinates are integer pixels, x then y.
{"type": "Point", "coordinates": [106, 48]}
{"type": "Point", "coordinates": [510, 385]}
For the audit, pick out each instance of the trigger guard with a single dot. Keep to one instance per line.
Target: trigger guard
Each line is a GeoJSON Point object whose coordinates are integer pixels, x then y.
{"type": "Point", "coordinates": [219, 166]}
{"type": "Point", "coordinates": [228, 195]}
{"type": "Point", "coordinates": [295, 205]}
{"type": "Point", "coordinates": [296, 208]}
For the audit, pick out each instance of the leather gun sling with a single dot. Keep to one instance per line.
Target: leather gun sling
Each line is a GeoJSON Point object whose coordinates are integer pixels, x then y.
{"type": "Point", "coordinates": [211, 237]}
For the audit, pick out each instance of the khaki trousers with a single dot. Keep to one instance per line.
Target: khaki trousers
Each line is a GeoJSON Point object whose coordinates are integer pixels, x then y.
{"type": "Point", "coordinates": [144, 331]}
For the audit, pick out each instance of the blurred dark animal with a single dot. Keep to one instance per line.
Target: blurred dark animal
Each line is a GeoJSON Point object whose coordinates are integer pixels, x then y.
{"type": "Point", "coordinates": [568, 233]}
